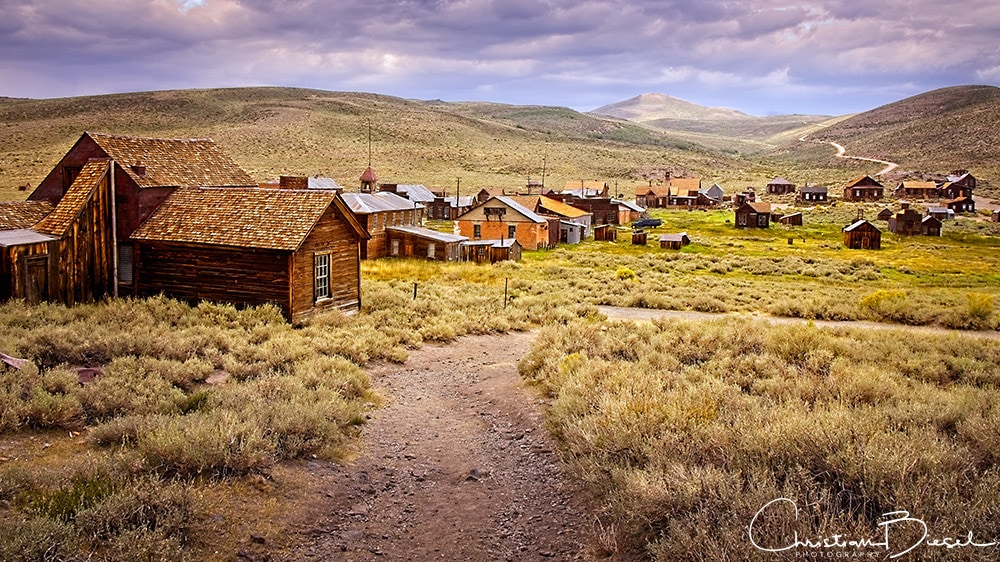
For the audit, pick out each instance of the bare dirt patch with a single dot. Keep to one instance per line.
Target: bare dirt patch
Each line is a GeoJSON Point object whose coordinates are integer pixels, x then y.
{"type": "Point", "coordinates": [456, 466]}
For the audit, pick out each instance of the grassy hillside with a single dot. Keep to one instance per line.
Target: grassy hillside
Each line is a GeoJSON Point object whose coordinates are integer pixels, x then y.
{"type": "Point", "coordinates": [271, 131]}
{"type": "Point", "coordinates": [936, 132]}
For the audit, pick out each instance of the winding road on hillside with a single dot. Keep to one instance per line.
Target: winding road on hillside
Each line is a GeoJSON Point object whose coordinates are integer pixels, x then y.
{"type": "Point", "coordinates": [842, 153]}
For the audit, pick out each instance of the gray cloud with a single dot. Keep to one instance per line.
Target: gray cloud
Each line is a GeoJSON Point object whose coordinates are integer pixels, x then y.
{"type": "Point", "coordinates": [829, 56]}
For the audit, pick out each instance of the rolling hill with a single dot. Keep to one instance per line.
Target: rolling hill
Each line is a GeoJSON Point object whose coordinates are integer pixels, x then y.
{"type": "Point", "coordinates": [932, 133]}
{"type": "Point", "coordinates": [272, 131]}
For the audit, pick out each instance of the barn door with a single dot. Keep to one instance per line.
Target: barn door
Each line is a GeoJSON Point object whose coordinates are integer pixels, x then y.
{"type": "Point", "coordinates": [36, 279]}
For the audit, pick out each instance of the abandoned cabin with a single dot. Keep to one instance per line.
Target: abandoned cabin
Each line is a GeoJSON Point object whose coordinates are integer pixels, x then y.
{"type": "Point", "coordinates": [906, 222]}
{"type": "Point", "coordinates": [958, 185]}
{"type": "Point", "coordinates": [753, 215]}
{"type": "Point", "coordinates": [813, 194]}
{"type": "Point", "coordinates": [140, 216]}
{"type": "Point", "coordinates": [917, 190]}
{"type": "Point", "coordinates": [863, 188]}
{"type": "Point", "coordinates": [964, 204]}
{"type": "Point", "coordinates": [674, 241]}
{"type": "Point", "coordinates": [780, 186]}
{"type": "Point", "coordinates": [862, 235]}
{"type": "Point", "coordinates": [491, 251]}
{"type": "Point", "coordinates": [930, 226]}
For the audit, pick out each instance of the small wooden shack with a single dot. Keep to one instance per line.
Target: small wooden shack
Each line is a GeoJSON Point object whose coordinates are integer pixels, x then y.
{"type": "Point", "coordinates": [884, 215]}
{"type": "Point", "coordinates": [863, 188]}
{"type": "Point", "coordinates": [753, 215]}
{"type": "Point", "coordinates": [862, 235]}
{"type": "Point", "coordinates": [813, 194]}
{"type": "Point", "coordinates": [491, 251]}
{"type": "Point", "coordinates": [930, 226]}
{"type": "Point", "coordinates": [416, 241]}
{"type": "Point", "coordinates": [26, 263]}
{"type": "Point", "coordinates": [605, 232]}
{"type": "Point", "coordinates": [674, 241]}
{"type": "Point", "coordinates": [780, 186]}
{"type": "Point", "coordinates": [792, 219]}
{"type": "Point", "coordinates": [639, 237]}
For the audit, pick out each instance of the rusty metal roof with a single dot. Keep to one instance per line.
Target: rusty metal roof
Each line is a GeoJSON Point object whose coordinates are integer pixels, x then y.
{"type": "Point", "coordinates": [72, 203]}
{"type": "Point", "coordinates": [22, 214]}
{"type": "Point", "coordinates": [274, 219]}
{"type": "Point", "coordinates": [153, 162]}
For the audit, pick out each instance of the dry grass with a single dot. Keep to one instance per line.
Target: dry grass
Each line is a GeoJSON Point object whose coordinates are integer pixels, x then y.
{"type": "Point", "coordinates": [687, 430]}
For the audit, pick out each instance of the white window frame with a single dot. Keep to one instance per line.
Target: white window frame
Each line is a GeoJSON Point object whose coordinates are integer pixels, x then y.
{"type": "Point", "coordinates": [431, 248]}
{"type": "Point", "coordinates": [394, 246]}
{"type": "Point", "coordinates": [321, 276]}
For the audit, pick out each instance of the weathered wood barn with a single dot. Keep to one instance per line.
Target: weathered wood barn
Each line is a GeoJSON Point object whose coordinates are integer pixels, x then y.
{"type": "Point", "coordinates": [753, 215]}
{"type": "Point", "coordinates": [862, 235]}
{"type": "Point", "coordinates": [298, 249]}
{"type": "Point", "coordinates": [501, 218]}
{"type": "Point", "coordinates": [142, 216]}
{"type": "Point", "coordinates": [863, 188]}
{"type": "Point", "coordinates": [780, 186]}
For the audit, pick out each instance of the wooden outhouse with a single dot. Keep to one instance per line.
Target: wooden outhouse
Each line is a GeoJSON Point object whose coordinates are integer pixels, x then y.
{"type": "Point", "coordinates": [862, 235]}
{"type": "Point", "coordinates": [605, 232]}
{"type": "Point", "coordinates": [674, 241]}
{"type": "Point", "coordinates": [639, 237]}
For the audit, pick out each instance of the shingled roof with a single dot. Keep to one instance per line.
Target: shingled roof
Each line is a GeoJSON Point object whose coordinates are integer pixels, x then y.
{"type": "Point", "coordinates": [152, 162]}
{"type": "Point", "coordinates": [68, 210]}
{"type": "Point", "coordinates": [22, 214]}
{"type": "Point", "coordinates": [274, 219]}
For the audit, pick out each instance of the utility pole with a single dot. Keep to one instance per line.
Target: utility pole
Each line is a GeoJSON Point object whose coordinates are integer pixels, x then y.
{"type": "Point", "coordinates": [545, 158]}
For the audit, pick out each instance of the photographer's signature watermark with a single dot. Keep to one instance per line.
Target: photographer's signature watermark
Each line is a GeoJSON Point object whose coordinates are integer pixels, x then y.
{"type": "Point", "coordinates": [889, 540]}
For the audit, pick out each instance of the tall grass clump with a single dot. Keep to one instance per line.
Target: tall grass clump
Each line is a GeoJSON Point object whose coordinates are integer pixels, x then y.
{"type": "Point", "coordinates": [687, 430]}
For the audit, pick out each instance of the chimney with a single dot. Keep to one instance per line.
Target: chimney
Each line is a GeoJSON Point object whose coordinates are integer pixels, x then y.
{"type": "Point", "coordinates": [293, 182]}
{"type": "Point", "coordinates": [904, 205]}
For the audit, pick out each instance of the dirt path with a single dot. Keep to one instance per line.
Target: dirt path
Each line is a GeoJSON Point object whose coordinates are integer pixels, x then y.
{"type": "Point", "coordinates": [842, 153]}
{"type": "Point", "coordinates": [456, 466]}
{"type": "Point", "coordinates": [641, 314]}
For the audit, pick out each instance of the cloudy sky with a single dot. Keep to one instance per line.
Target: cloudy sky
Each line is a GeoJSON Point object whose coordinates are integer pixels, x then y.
{"type": "Point", "coordinates": [759, 56]}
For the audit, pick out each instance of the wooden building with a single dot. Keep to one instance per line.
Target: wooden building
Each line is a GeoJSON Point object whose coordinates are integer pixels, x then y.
{"type": "Point", "coordinates": [813, 194]}
{"type": "Point", "coordinates": [628, 211]}
{"type": "Point", "coordinates": [753, 215]}
{"type": "Point", "coordinates": [450, 207]}
{"type": "Point", "coordinates": [863, 188]}
{"type": "Point", "coordinates": [416, 192]}
{"type": "Point", "coordinates": [22, 214]}
{"type": "Point", "coordinates": [791, 219]}
{"type": "Point", "coordinates": [906, 222]}
{"type": "Point", "coordinates": [780, 186]}
{"type": "Point", "coordinates": [715, 193]}
{"type": "Point", "coordinates": [941, 213]}
{"type": "Point", "coordinates": [958, 185]}
{"type": "Point", "coordinates": [586, 189]}
{"type": "Point", "coordinates": [930, 226]}
{"type": "Point", "coordinates": [923, 190]}
{"type": "Point", "coordinates": [26, 262]}
{"type": "Point", "coordinates": [569, 232]}
{"type": "Point", "coordinates": [415, 241]}
{"type": "Point", "coordinates": [378, 211]}
{"type": "Point", "coordinates": [297, 249]}
{"type": "Point", "coordinates": [964, 204]}
{"type": "Point", "coordinates": [639, 237]}
{"type": "Point", "coordinates": [653, 196]}
{"type": "Point", "coordinates": [674, 241]}
{"type": "Point", "coordinates": [605, 232]}
{"type": "Point", "coordinates": [884, 215]}
{"type": "Point", "coordinates": [549, 207]}
{"type": "Point", "coordinates": [490, 251]}
{"type": "Point", "coordinates": [862, 235]}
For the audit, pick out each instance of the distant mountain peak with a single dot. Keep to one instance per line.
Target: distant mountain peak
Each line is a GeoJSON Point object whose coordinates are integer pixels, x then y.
{"type": "Point", "coordinates": [653, 106]}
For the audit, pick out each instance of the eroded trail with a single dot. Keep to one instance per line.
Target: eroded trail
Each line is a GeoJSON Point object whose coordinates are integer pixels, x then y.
{"type": "Point", "coordinates": [456, 466]}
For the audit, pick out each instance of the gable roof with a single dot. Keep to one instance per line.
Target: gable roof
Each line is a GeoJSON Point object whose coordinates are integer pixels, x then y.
{"type": "Point", "coordinates": [415, 192]}
{"type": "Point", "coordinates": [22, 214]}
{"type": "Point", "coordinates": [687, 191]}
{"type": "Point", "coordinates": [656, 190]}
{"type": "Point", "coordinates": [460, 201]}
{"type": "Point", "coordinates": [273, 219]}
{"type": "Point", "coordinates": [519, 208]}
{"type": "Point", "coordinates": [780, 181]}
{"type": "Point", "coordinates": [630, 205]}
{"type": "Point", "coordinates": [152, 162]}
{"type": "Point", "coordinates": [541, 203]}
{"type": "Point", "coordinates": [861, 223]}
{"type": "Point", "coordinates": [757, 206]}
{"type": "Point", "coordinates": [918, 185]}
{"type": "Point", "coordinates": [378, 202]}
{"type": "Point", "coordinates": [814, 189]}
{"type": "Point", "coordinates": [72, 203]}
{"type": "Point", "coordinates": [685, 183]}
{"type": "Point", "coordinates": [868, 182]}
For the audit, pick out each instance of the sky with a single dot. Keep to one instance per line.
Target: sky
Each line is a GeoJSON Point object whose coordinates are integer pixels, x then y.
{"type": "Point", "coordinates": [763, 57]}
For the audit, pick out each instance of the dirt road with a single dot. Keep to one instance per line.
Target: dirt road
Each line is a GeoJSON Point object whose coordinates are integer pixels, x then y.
{"type": "Point", "coordinates": [456, 466]}
{"type": "Point", "coordinates": [842, 153]}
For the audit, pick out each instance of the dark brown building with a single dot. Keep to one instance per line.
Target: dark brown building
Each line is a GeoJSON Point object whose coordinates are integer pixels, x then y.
{"type": "Point", "coordinates": [863, 188]}
{"type": "Point", "coordinates": [297, 249]}
{"type": "Point", "coordinates": [862, 235]}
{"type": "Point", "coordinates": [780, 186]}
{"type": "Point", "coordinates": [753, 215]}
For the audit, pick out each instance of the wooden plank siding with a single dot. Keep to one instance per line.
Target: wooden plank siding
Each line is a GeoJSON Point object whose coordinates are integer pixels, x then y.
{"type": "Point", "coordinates": [331, 234]}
